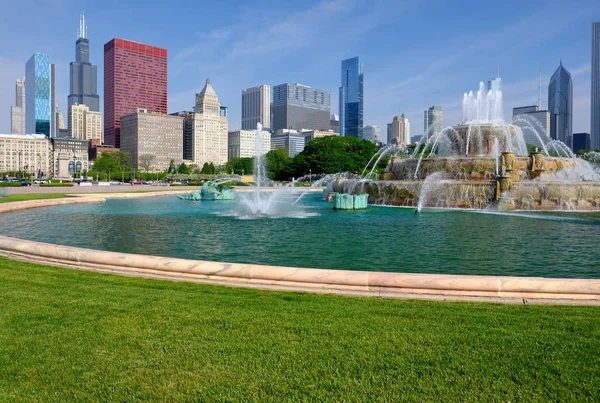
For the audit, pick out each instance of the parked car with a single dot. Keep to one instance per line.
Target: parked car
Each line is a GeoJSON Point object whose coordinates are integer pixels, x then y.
{"type": "Point", "coordinates": [40, 181]}
{"type": "Point", "coordinates": [115, 183]}
{"type": "Point", "coordinates": [25, 183]}
{"type": "Point", "coordinates": [136, 182]}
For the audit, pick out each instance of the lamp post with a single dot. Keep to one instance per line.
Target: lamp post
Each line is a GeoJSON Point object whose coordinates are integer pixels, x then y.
{"type": "Point", "coordinates": [39, 165]}
{"type": "Point", "coordinates": [310, 175]}
{"type": "Point", "coordinates": [20, 153]}
{"type": "Point", "coordinates": [74, 165]}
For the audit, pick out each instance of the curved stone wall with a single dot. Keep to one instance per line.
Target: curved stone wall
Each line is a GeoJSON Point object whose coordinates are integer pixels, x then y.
{"type": "Point", "coordinates": [435, 286]}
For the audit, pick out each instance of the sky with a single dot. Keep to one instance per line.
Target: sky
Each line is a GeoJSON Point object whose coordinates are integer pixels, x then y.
{"type": "Point", "coordinates": [415, 53]}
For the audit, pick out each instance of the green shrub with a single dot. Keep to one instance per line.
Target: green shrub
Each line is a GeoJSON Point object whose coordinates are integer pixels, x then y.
{"type": "Point", "coordinates": [178, 184]}
{"type": "Point", "coordinates": [10, 184]}
{"type": "Point", "coordinates": [195, 183]}
{"type": "Point", "coordinates": [56, 185]}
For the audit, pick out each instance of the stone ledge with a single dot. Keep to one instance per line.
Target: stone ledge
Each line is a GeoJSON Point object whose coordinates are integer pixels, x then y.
{"type": "Point", "coordinates": [382, 284]}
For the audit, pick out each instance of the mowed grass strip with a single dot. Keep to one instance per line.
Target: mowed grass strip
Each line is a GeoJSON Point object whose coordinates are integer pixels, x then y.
{"type": "Point", "coordinates": [31, 196]}
{"type": "Point", "coordinates": [68, 335]}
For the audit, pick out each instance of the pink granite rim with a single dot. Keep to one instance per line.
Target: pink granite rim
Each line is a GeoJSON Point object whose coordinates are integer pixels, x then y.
{"type": "Point", "coordinates": [386, 284]}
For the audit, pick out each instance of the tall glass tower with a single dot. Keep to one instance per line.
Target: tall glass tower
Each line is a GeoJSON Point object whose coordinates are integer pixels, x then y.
{"type": "Point", "coordinates": [560, 105]}
{"type": "Point", "coordinates": [38, 95]}
{"type": "Point", "coordinates": [595, 124]}
{"type": "Point", "coordinates": [84, 80]}
{"type": "Point", "coordinates": [351, 98]}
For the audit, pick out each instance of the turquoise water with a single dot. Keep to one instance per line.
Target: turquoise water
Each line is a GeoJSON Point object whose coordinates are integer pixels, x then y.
{"type": "Point", "coordinates": [376, 239]}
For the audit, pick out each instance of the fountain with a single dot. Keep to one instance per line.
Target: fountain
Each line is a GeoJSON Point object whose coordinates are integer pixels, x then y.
{"type": "Point", "coordinates": [213, 190]}
{"type": "Point", "coordinates": [482, 162]}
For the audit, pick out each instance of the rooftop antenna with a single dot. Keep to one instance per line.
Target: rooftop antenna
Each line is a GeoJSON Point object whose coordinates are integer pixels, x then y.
{"type": "Point", "coordinates": [540, 91]}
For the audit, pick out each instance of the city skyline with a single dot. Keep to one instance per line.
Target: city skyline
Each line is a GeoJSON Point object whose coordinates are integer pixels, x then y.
{"type": "Point", "coordinates": [390, 88]}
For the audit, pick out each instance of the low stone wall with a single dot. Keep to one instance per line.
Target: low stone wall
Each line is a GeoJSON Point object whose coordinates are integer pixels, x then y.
{"type": "Point", "coordinates": [398, 285]}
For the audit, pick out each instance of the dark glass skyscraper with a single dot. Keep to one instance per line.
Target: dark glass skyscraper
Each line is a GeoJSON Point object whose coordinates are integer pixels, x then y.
{"type": "Point", "coordinates": [38, 95]}
{"type": "Point", "coordinates": [84, 80]}
{"type": "Point", "coordinates": [351, 98]}
{"type": "Point", "coordinates": [560, 105]}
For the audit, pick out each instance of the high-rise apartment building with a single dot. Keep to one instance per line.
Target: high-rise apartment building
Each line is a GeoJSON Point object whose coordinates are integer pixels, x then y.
{"type": "Point", "coordinates": [206, 130]}
{"type": "Point", "coordinates": [560, 106]}
{"type": "Point", "coordinates": [595, 115]}
{"type": "Point", "coordinates": [135, 76]}
{"type": "Point", "coordinates": [38, 95]}
{"type": "Point", "coordinates": [400, 131]}
{"type": "Point", "coordinates": [84, 124]}
{"type": "Point", "coordinates": [83, 74]}
{"type": "Point", "coordinates": [372, 133]}
{"type": "Point", "coordinates": [297, 107]}
{"type": "Point", "coordinates": [389, 134]}
{"type": "Point", "coordinates": [351, 98]}
{"type": "Point", "coordinates": [242, 143]}
{"type": "Point", "coordinates": [256, 107]}
{"type": "Point", "coordinates": [153, 134]}
{"type": "Point", "coordinates": [433, 121]}
{"type": "Point", "coordinates": [17, 112]}
{"type": "Point", "coordinates": [534, 123]}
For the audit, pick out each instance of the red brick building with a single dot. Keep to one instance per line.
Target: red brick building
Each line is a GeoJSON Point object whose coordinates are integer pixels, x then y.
{"type": "Point", "coordinates": [135, 76]}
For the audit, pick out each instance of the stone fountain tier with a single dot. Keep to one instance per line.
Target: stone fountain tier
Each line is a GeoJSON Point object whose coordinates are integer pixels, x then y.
{"type": "Point", "coordinates": [530, 195]}
{"type": "Point", "coordinates": [480, 138]}
{"type": "Point", "coordinates": [446, 194]}
{"type": "Point", "coordinates": [479, 168]}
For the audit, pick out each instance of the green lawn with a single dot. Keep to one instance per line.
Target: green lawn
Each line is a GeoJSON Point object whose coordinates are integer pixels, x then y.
{"type": "Point", "coordinates": [30, 196]}
{"type": "Point", "coordinates": [68, 335]}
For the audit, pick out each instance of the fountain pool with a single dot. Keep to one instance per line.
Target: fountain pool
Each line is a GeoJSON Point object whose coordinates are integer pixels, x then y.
{"type": "Point", "coordinates": [558, 244]}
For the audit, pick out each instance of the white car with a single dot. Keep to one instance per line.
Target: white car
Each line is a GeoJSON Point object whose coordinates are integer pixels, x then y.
{"type": "Point", "coordinates": [115, 183]}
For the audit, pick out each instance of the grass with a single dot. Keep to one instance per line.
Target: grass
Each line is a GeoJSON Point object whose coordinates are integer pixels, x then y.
{"type": "Point", "coordinates": [30, 196]}
{"type": "Point", "coordinates": [68, 335]}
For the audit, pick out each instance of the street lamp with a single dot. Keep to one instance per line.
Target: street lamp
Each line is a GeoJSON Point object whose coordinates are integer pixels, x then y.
{"type": "Point", "coordinates": [310, 175]}
{"type": "Point", "coordinates": [20, 153]}
{"type": "Point", "coordinates": [74, 165]}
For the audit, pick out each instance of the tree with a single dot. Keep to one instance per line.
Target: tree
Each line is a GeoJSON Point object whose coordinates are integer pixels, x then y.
{"type": "Point", "coordinates": [183, 169]}
{"type": "Point", "coordinates": [278, 164]}
{"type": "Point", "coordinates": [146, 161]}
{"type": "Point", "coordinates": [240, 166]}
{"type": "Point", "coordinates": [208, 168]}
{"type": "Point", "coordinates": [113, 162]}
{"type": "Point", "coordinates": [331, 154]}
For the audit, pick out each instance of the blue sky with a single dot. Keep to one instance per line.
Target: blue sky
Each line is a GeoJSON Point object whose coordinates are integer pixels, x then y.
{"type": "Point", "coordinates": [415, 53]}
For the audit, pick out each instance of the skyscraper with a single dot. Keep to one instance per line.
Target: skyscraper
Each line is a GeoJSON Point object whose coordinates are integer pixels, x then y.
{"type": "Point", "coordinates": [433, 121]}
{"type": "Point", "coordinates": [256, 107]}
{"type": "Point", "coordinates": [534, 123]}
{"type": "Point", "coordinates": [400, 134]}
{"type": "Point", "coordinates": [297, 106]}
{"type": "Point", "coordinates": [38, 95]}
{"type": "Point", "coordinates": [84, 81]}
{"type": "Point", "coordinates": [494, 84]}
{"type": "Point", "coordinates": [351, 98]}
{"type": "Point", "coordinates": [84, 124]}
{"type": "Point", "coordinates": [372, 133]}
{"type": "Point", "coordinates": [560, 105]}
{"type": "Point", "coordinates": [17, 112]}
{"type": "Point", "coordinates": [135, 76]}
{"type": "Point", "coordinates": [206, 130]}
{"type": "Point", "coordinates": [595, 123]}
